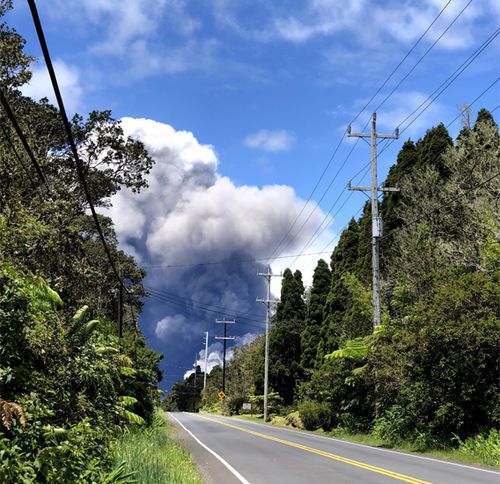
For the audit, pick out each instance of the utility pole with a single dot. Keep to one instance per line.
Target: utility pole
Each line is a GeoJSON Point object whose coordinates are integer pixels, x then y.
{"type": "Point", "coordinates": [268, 303]}
{"type": "Point", "coordinates": [225, 338]}
{"type": "Point", "coordinates": [194, 382]}
{"type": "Point", "coordinates": [120, 304]}
{"type": "Point", "coordinates": [206, 361]}
{"type": "Point", "coordinates": [374, 189]}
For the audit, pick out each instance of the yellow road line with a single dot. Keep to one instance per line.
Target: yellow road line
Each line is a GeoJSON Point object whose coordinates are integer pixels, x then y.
{"type": "Point", "coordinates": [345, 460]}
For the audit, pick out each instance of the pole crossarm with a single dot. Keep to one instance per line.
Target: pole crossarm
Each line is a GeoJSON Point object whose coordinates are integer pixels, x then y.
{"type": "Point", "coordinates": [368, 189]}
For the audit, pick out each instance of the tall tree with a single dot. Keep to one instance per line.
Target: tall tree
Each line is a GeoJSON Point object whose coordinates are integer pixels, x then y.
{"type": "Point", "coordinates": [311, 333]}
{"type": "Point", "coordinates": [284, 338]}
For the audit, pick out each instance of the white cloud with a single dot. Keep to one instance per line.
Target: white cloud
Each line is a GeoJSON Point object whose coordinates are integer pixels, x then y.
{"type": "Point", "coordinates": [173, 325]}
{"type": "Point", "coordinates": [271, 141]}
{"type": "Point", "coordinates": [191, 214]}
{"type": "Point", "coordinates": [310, 19]}
{"type": "Point", "coordinates": [133, 33]}
{"type": "Point", "coordinates": [68, 78]}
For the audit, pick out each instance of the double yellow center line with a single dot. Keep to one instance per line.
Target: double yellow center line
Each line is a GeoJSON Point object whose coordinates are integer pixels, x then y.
{"type": "Point", "coordinates": [329, 455]}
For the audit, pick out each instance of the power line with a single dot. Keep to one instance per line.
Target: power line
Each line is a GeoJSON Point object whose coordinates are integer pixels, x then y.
{"type": "Point", "coordinates": [67, 127]}
{"type": "Point", "coordinates": [359, 113]}
{"type": "Point", "coordinates": [174, 302]}
{"type": "Point", "coordinates": [443, 86]}
{"type": "Point", "coordinates": [196, 302]}
{"type": "Point", "coordinates": [450, 80]}
{"type": "Point", "coordinates": [320, 230]}
{"type": "Point", "coordinates": [17, 156]}
{"type": "Point", "coordinates": [423, 56]}
{"type": "Point", "coordinates": [226, 261]}
{"type": "Point", "coordinates": [22, 137]}
{"type": "Point", "coordinates": [402, 61]}
{"type": "Point", "coordinates": [316, 205]}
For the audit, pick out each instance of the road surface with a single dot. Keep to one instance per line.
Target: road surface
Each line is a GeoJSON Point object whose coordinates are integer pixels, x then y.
{"type": "Point", "coordinates": [231, 451]}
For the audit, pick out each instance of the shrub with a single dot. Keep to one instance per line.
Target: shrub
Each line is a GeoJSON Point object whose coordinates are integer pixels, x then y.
{"type": "Point", "coordinates": [294, 420]}
{"type": "Point", "coordinates": [392, 426]}
{"type": "Point", "coordinates": [234, 404]}
{"type": "Point", "coordinates": [315, 415]}
{"type": "Point", "coordinates": [486, 448]}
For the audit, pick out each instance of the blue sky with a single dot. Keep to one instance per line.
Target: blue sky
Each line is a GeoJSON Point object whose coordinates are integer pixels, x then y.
{"type": "Point", "coordinates": [242, 104]}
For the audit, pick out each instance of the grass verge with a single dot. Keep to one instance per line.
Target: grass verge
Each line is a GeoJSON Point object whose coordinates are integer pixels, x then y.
{"type": "Point", "coordinates": [151, 455]}
{"type": "Point", "coordinates": [479, 450]}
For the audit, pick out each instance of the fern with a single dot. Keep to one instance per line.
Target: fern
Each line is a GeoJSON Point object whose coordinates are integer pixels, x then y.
{"type": "Point", "coordinates": [132, 417]}
{"type": "Point", "coordinates": [128, 401]}
{"type": "Point", "coordinates": [80, 314]}
{"type": "Point", "coordinates": [355, 349]}
{"type": "Point", "coordinates": [11, 412]}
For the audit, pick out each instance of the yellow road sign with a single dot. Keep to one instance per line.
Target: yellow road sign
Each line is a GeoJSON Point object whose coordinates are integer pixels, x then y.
{"type": "Point", "coordinates": [222, 395]}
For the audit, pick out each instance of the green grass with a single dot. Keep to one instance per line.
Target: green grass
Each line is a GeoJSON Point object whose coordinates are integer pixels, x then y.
{"type": "Point", "coordinates": [478, 450]}
{"type": "Point", "coordinates": [153, 456]}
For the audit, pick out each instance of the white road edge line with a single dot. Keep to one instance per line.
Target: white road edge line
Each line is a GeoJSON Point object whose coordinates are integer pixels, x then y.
{"type": "Point", "coordinates": [217, 456]}
{"type": "Point", "coordinates": [298, 432]}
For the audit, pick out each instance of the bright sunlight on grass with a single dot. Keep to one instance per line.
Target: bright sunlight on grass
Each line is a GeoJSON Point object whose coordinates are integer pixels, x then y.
{"type": "Point", "coordinates": [154, 457]}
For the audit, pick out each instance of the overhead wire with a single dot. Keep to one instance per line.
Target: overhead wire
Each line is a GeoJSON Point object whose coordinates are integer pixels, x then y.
{"type": "Point", "coordinates": [67, 127]}
{"type": "Point", "coordinates": [225, 261]}
{"type": "Point", "coordinates": [22, 138]}
{"type": "Point", "coordinates": [17, 156]}
{"type": "Point", "coordinates": [241, 319]}
{"type": "Point", "coordinates": [423, 56]}
{"type": "Point", "coordinates": [316, 205]}
{"type": "Point", "coordinates": [474, 101]}
{"type": "Point", "coordinates": [223, 310]}
{"type": "Point", "coordinates": [322, 227]}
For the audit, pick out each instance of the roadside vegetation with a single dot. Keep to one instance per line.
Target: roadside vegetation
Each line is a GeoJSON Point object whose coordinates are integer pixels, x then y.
{"type": "Point", "coordinates": [427, 378]}
{"type": "Point", "coordinates": [151, 455]}
{"type": "Point", "coordinates": [76, 377]}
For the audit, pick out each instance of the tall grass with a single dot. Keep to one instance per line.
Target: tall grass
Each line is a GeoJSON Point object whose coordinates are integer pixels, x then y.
{"type": "Point", "coordinates": [154, 457]}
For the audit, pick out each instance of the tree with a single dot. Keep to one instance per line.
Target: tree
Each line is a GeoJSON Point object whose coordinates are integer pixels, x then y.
{"type": "Point", "coordinates": [14, 63]}
{"type": "Point", "coordinates": [73, 383]}
{"type": "Point", "coordinates": [431, 148]}
{"type": "Point", "coordinates": [284, 337]}
{"type": "Point", "coordinates": [311, 333]}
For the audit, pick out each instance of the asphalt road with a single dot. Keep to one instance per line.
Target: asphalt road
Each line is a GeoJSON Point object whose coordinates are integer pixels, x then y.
{"type": "Point", "coordinates": [232, 451]}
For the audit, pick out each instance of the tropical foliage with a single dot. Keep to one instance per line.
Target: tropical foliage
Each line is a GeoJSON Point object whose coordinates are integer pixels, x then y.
{"type": "Point", "coordinates": [69, 383]}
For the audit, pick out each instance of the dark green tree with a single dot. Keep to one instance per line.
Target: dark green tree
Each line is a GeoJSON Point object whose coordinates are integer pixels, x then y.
{"type": "Point", "coordinates": [432, 147]}
{"type": "Point", "coordinates": [311, 334]}
{"type": "Point", "coordinates": [284, 337]}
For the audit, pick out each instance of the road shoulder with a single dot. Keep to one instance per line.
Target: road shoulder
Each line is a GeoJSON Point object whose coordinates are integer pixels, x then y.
{"type": "Point", "coordinates": [210, 468]}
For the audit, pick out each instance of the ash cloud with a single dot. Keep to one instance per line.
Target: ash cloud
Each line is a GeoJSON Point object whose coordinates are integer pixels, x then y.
{"type": "Point", "coordinates": [191, 214]}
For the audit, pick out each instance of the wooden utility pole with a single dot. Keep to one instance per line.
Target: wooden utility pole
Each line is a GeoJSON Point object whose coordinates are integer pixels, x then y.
{"type": "Point", "coordinates": [225, 338]}
{"type": "Point", "coordinates": [206, 361]}
{"type": "Point", "coordinates": [268, 303]}
{"type": "Point", "coordinates": [374, 189]}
